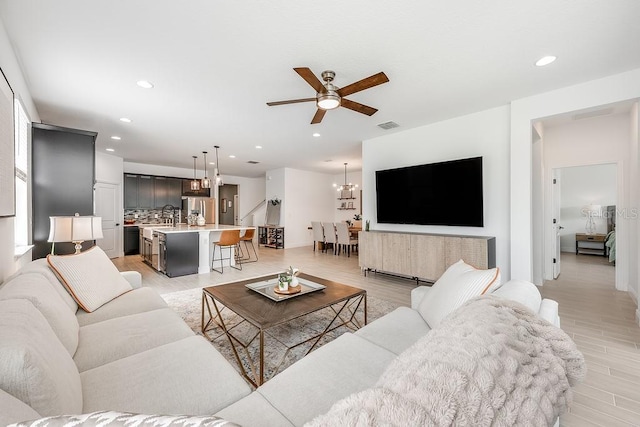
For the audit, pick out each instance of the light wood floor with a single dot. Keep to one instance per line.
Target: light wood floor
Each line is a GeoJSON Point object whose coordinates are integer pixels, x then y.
{"type": "Point", "coordinates": [600, 319]}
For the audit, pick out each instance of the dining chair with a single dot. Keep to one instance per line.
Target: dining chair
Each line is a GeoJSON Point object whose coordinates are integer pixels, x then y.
{"type": "Point", "coordinates": [229, 239]}
{"type": "Point", "coordinates": [318, 234]}
{"type": "Point", "coordinates": [247, 238]}
{"type": "Point", "coordinates": [344, 238]}
{"type": "Point", "coordinates": [330, 237]}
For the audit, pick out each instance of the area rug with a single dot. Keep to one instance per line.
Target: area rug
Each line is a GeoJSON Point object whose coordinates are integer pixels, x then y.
{"type": "Point", "coordinates": [188, 305]}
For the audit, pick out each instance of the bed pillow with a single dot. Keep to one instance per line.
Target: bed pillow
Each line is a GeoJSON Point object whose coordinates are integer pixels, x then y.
{"type": "Point", "coordinates": [90, 277]}
{"type": "Point", "coordinates": [457, 285]}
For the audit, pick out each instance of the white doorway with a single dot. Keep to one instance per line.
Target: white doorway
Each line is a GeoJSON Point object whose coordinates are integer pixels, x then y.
{"type": "Point", "coordinates": [584, 200]}
{"type": "Point", "coordinates": [108, 205]}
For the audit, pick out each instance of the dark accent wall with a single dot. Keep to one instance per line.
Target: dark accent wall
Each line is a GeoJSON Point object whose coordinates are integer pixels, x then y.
{"type": "Point", "coordinates": [226, 192]}
{"type": "Point", "coordinates": [63, 175]}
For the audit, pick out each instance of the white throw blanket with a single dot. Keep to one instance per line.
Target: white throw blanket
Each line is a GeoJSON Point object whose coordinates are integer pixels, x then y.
{"type": "Point", "coordinates": [491, 362]}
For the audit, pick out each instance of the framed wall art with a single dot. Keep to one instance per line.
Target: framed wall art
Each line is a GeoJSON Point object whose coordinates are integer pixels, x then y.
{"type": "Point", "coordinates": [7, 150]}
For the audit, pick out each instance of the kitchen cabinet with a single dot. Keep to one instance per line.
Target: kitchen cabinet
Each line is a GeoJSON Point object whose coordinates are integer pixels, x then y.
{"type": "Point", "coordinates": [131, 240]}
{"type": "Point", "coordinates": [167, 191]}
{"type": "Point", "coordinates": [178, 253]}
{"type": "Point", "coordinates": [151, 192]}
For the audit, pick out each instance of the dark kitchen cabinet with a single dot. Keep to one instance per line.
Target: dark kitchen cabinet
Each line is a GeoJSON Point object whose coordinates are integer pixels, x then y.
{"type": "Point", "coordinates": [175, 192]}
{"type": "Point", "coordinates": [63, 174]}
{"type": "Point", "coordinates": [167, 191]}
{"type": "Point", "coordinates": [130, 191]}
{"type": "Point", "coordinates": [131, 240]}
{"type": "Point", "coordinates": [145, 192]}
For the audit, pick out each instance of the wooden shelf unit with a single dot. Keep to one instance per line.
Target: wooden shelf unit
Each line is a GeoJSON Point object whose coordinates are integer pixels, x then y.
{"type": "Point", "coordinates": [422, 256]}
{"type": "Point", "coordinates": [271, 236]}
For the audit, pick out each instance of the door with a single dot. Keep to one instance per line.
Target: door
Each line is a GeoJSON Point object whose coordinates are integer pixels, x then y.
{"type": "Point", "coordinates": [107, 200]}
{"type": "Point", "coordinates": [555, 190]}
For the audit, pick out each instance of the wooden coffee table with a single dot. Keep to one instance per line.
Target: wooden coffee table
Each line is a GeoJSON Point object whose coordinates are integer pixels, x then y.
{"type": "Point", "coordinates": [264, 313]}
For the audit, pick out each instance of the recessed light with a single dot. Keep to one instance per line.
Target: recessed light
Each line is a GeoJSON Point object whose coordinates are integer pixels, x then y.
{"type": "Point", "coordinates": [144, 84]}
{"type": "Point", "coordinates": [117, 138]}
{"type": "Point", "coordinates": [316, 135]}
{"type": "Point", "coordinates": [259, 147]}
{"type": "Point", "coordinates": [110, 149]}
{"type": "Point", "coordinates": [212, 163]}
{"type": "Point", "coordinates": [232, 156]}
{"type": "Point", "coordinates": [545, 60]}
{"type": "Point", "coordinates": [124, 119]}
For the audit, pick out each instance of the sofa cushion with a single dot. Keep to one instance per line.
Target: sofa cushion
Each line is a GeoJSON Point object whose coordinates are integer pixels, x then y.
{"type": "Point", "coordinates": [526, 293]}
{"type": "Point", "coordinates": [114, 339]}
{"type": "Point", "coordinates": [395, 331]}
{"type": "Point", "coordinates": [36, 288]}
{"type": "Point", "coordinates": [122, 419]}
{"type": "Point", "coordinates": [14, 410]}
{"type": "Point", "coordinates": [310, 386]}
{"type": "Point", "coordinates": [41, 266]}
{"type": "Point", "coordinates": [36, 368]}
{"type": "Point", "coordinates": [90, 277]}
{"type": "Point", "coordinates": [184, 377]}
{"type": "Point", "coordinates": [133, 302]}
{"type": "Point", "coordinates": [254, 410]}
{"type": "Point", "coordinates": [458, 284]}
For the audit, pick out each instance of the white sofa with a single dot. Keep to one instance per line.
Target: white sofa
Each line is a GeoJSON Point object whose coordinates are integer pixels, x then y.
{"type": "Point", "coordinates": [134, 354]}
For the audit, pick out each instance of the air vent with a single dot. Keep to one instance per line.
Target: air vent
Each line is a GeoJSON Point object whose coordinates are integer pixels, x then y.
{"type": "Point", "coordinates": [253, 162]}
{"type": "Point", "coordinates": [590, 114]}
{"type": "Point", "coordinates": [388, 125]}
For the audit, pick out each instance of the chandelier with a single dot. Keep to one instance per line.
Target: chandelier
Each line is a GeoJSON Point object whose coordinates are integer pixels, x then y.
{"type": "Point", "coordinates": [346, 186]}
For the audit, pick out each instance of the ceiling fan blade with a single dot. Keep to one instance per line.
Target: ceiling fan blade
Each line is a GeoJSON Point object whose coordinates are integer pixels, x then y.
{"type": "Point", "coordinates": [318, 116]}
{"type": "Point", "coordinates": [371, 81]}
{"type": "Point", "coordinates": [310, 78]}
{"type": "Point", "coordinates": [291, 101]}
{"type": "Point", "coordinates": [356, 106]}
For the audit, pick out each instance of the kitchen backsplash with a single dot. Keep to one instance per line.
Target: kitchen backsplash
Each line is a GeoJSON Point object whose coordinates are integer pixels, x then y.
{"type": "Point", "coordinates": [148, 216]}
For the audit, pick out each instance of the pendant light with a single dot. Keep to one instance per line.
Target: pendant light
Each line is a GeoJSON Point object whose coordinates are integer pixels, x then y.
{"type": "Point", "coordinates": [195, 184]}
{"type": "Point", "coordinates": [346, 187]}
{"type": "Point", "coordinates": [218, 177]}
{"type": "Point", "coordinates": [206, 182]}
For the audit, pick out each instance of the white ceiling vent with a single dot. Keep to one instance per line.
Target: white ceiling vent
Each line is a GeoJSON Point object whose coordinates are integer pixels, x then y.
{"type": "Point", "coordinates": [596, 113]}
{"type": "Point", "coordinates": [388, 125]}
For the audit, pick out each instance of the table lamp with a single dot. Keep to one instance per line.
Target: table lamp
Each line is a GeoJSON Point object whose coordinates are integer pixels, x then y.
{"type": "Point", "coordinates": [75, 229]}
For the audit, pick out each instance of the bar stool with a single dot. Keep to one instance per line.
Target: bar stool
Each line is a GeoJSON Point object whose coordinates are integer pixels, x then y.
{"type": "Point", "coordinates": [229, 239]}
{"type": "Point", "coordinates": [247, 238]}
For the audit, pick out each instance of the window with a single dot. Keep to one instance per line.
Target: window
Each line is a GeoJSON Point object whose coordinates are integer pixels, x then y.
{"type": "Point", "coordinates": [21, 225]}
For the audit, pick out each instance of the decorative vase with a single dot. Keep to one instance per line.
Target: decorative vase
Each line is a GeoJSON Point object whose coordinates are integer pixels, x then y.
{"type": "Point", "coordinates": [294, 282]}
{"type": "Point", "coordinates": [200, 221]}
{"type": "Point", "coordinates": [366, 226]}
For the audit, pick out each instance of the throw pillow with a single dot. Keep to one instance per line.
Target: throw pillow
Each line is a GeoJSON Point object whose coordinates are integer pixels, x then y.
{"type": "Point", "coordinates": [121, 419]}
{"type": "Point", "coordinates": [457, 285]}
{"type": "Point", "coordinates": [36, 368]}
{"type": "Point", "coordinates": [90, 277]}
{"type": "Point", "coordinates": [524, 292]}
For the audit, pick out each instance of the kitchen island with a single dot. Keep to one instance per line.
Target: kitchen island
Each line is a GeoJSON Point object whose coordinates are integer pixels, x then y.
{"type": "Point", "coordinates": [207, 234]}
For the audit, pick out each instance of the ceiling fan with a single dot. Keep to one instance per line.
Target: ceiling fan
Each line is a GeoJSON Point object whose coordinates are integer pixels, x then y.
{"type": "Point", "coordinates": [329, 96]}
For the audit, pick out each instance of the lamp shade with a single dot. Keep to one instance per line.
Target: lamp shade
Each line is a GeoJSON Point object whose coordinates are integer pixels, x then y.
{"type": "Point", "coordinates": [75, 228]}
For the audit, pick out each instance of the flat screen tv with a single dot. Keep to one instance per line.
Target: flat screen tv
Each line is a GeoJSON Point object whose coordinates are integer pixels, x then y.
{"type": "Point", "coordinates": [445, 193]}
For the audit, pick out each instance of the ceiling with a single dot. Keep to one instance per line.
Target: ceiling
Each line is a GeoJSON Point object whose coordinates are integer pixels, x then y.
{"type": "Point", "coordinates": [215, 64]}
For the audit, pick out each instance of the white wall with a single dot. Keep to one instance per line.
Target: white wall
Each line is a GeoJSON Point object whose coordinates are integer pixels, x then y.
{"type": "Point", "coordinates": [524, 112]}
{"type": "Point", "coordinates": [581, 186]}
{"type": "Point", "coordinates": [251, 191]}
{"type": "Point", "coordinates": [634, 201]}
{"type": "Point", "coordinates": [485, 134]}
{"type": "Point", "coordinates": [347, 214]}
{"type": "Point", "coordinates": [11, 69]}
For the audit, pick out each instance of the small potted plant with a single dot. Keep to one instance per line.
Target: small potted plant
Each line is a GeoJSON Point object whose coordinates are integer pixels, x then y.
{"type": "Point", "coordinates": [357, 220]}
{"type": "Point", "coordinates": [293, 274]}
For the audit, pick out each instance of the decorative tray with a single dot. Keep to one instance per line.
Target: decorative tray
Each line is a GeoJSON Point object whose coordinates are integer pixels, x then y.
{"type": "Point", "coordinates": [267, 288]}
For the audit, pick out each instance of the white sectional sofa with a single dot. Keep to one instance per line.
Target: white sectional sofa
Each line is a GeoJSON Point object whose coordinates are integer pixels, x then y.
{"type": "Point", "coordinates": [134, 354]}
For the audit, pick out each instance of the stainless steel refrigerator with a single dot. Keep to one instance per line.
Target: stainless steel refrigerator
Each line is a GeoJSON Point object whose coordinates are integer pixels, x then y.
{"type": "Point", "coordinates": [200, 205]}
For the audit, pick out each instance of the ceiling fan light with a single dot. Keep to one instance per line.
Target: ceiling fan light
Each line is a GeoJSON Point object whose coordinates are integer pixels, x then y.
{"type": "Point", "coordinates": [328, 100]}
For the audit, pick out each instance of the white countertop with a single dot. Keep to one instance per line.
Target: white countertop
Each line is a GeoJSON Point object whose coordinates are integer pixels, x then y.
{"type": "Point", "coordinates": [184, 228]}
